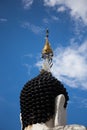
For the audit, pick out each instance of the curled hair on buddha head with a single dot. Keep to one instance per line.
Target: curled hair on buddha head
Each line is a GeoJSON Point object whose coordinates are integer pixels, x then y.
{"type": "Point", "coordinates": [37, 98]}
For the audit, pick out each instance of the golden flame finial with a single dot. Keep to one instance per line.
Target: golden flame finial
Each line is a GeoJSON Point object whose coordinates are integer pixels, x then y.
{"type": "Point", "coordinates": [47, 48]}
{"type": "Point", "coordinates": [47, 54]}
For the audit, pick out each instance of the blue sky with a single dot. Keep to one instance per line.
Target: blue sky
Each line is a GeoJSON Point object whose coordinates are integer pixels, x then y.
{"type": "Point", "coordinates": [22, 37]}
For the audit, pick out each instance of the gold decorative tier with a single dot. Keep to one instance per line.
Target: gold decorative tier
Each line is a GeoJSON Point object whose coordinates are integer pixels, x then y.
{"type": "Point", "coordinates": [47, 48]}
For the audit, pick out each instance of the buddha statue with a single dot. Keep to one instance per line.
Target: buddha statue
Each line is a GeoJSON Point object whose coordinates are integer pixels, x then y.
{"type": "Point", "coordinates": [43, 99]}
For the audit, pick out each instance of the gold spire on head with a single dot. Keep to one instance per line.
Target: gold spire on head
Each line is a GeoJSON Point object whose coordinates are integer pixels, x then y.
{"type": "Point", "coordinates": [47, 48]}
{"type": "Point", "coordinates": [47, 54]}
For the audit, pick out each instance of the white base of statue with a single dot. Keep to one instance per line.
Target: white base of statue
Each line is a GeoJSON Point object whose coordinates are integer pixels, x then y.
{"type": "Point", "coordinates": [44, 127]}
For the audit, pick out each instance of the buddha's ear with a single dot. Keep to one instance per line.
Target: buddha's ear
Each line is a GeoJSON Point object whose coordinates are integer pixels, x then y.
{"type": "Point", "coordinates": [60, 111]}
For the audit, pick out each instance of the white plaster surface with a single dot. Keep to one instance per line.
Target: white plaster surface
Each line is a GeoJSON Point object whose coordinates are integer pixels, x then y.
{"type": "Point", "coordinates": [44, 127]}
{"type": "Point", "coordinates": [60, 111]}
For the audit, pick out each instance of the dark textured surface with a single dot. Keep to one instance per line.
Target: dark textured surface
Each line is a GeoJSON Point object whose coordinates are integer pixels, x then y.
{"type": "Point", "coordinates": [37, 98]}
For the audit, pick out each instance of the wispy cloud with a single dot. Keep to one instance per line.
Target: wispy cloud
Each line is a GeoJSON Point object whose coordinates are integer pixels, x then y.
{"type": "Point", "coordinates": [61, 9]}
{"type": "Point", "coordinates": [29, 55]}
{"type": "Point", "coordinates": [77, 8]}
{"type": "Point", "coordinates": [2, 20]}
{"type": "Point", "coordinates": [46, 20]}
{"type": "Point", "coordinates": [70, 65]}
{"type": "Point", "coordinates": [80, 101]}
{"type": "Point", "coordinates": [25, 62]}
{"type": "Point", "coordinates": [55, 18]}
{"type": "Point", "coordinates": [28, 68]}
{"type": "Point", "coordinates": [27, 3]}
{"type": "Point", "coordinates": [3, 100]}
{"type": "Point", "coordinates": [35, 29]}
{"type": "Point", "coordinates": [51, 18]}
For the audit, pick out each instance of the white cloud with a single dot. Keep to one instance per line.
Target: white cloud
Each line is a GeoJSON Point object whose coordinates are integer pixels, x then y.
{"type": "Point", "coordinates": [78, 8]}
{"type": "Point", "coordinates": [3, 20]}
{"type": "Point", "coordinates": [3, 100]}
{"type": "Point", "coordinates": [51, 19]}
{"type": "Point", "coordinates": [35, 29]}
{"type": "Point", "coordinates": [28, 67]}
{"type": "Point", "coordinates": [70, 65]}
{"type": "Point", "coordinates": [46, 20]}
{"type": "Point", "coordinates": [61, 9]}
{"type": "Point", "coordinates": [80, 101]}
{"type": "Point", "coordinates": [27, 3]}
{"type": "Point", "coordinates": [50, 3]}
{"type": "Point", "coordinates": [84, 103]}
{"type": "Point", "coordinates": [29, 55]}
{"type": "Point", "coordinates": [55, 18]}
